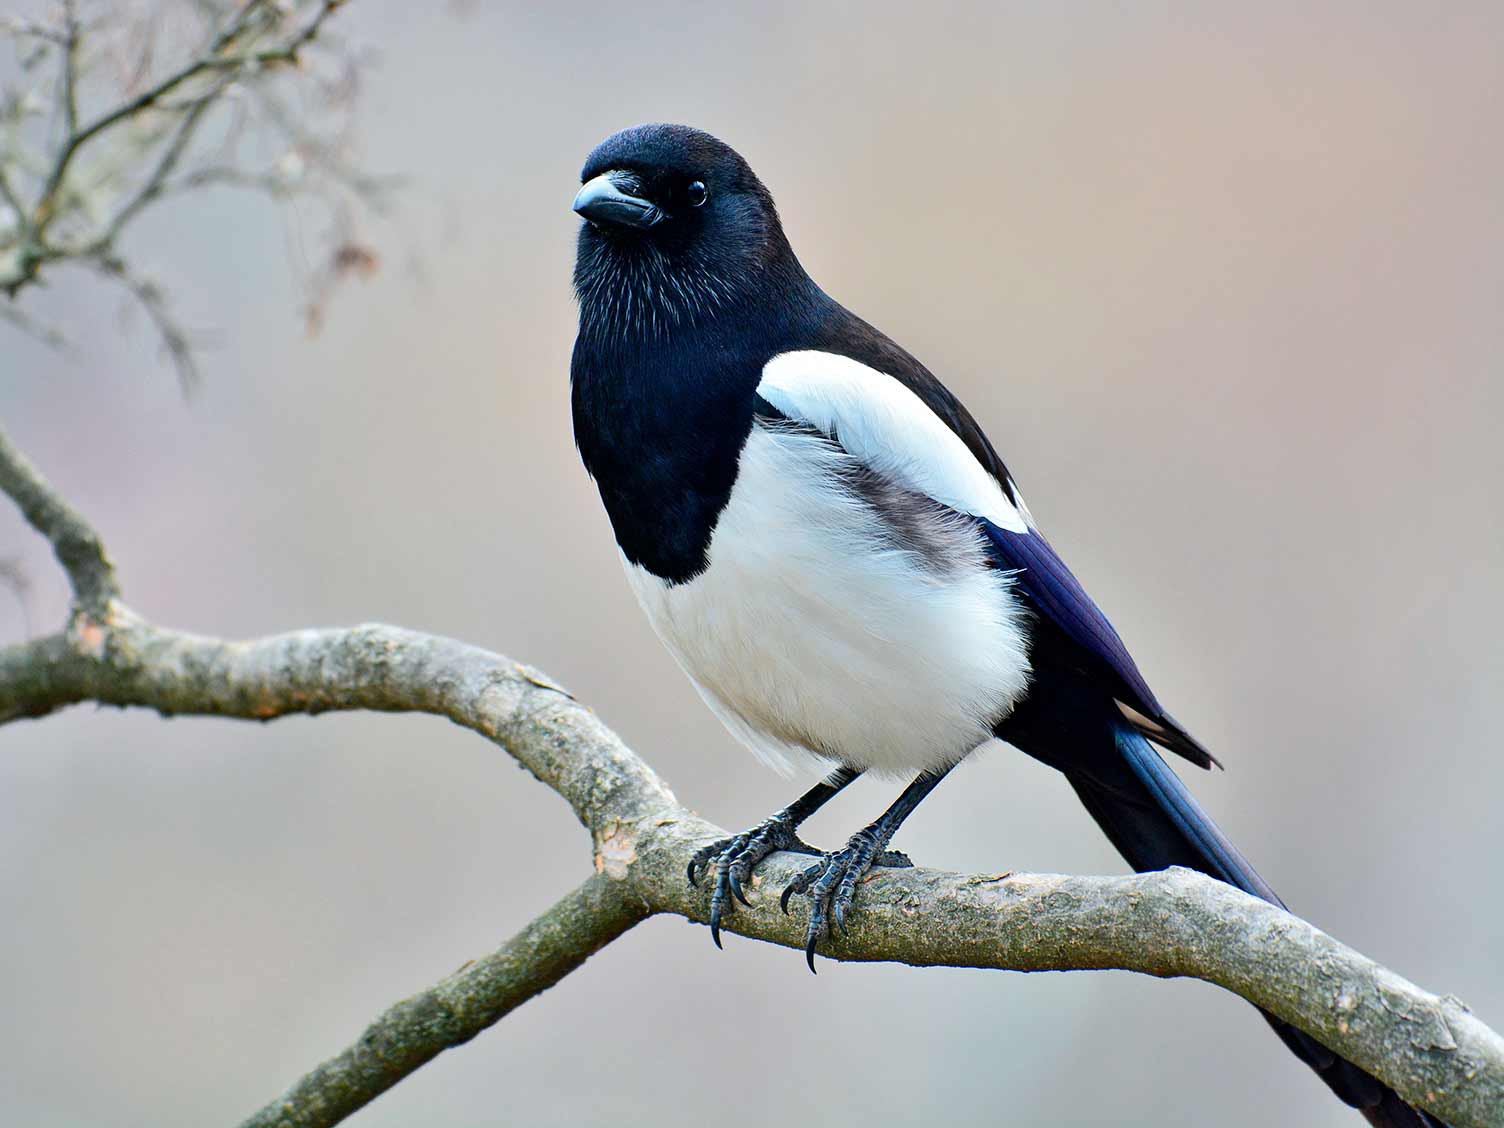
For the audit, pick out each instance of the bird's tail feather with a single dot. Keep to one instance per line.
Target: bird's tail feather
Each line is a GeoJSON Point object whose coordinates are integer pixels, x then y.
{"type": "Point", "coordinates": [1155, 822]}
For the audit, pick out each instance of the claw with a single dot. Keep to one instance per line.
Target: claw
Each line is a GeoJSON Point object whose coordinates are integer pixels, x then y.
{"type": "Point", "coordinates": [800, 884]}
{"type": "Point", "coordinates": [809, 953]}
{"type": "Point", "coordinates": [700, 863]}
{"type": "Point", "coordinates": [734, 880]}
{"type": "Point", "coordinates": [718, 903]}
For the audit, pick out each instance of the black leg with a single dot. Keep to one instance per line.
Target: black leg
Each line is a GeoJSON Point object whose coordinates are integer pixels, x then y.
{"type": "Point", "coordinates": [830, 883]}
{"type": "Point", "coordinates": [734, 857]}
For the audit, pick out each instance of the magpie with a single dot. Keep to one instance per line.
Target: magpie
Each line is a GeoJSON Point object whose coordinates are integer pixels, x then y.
{"type": "Point", "coordinates": [835, 554]}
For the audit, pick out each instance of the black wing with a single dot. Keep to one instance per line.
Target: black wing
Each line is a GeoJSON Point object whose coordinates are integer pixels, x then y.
{"type": "Point", "coordinates": [1060, 600]}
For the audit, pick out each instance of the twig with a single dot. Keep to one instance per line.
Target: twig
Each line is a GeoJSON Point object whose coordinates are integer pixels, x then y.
{"type": "Point", "coordinates": [70, 68]}
{"type": "Point", "coordinates": [151, 297]}
{"type": "Point", "coordinates": [213, 59]}
{"type": "Point", "coordinates": [11, 198]}
{"type": "Point", "coordinates": [74, 541]}
{"type": "Point", "coordinates": [33, 327]}
{"type": "Point", "coordinates": [374, 191]}
{"type": "Point", "coordinates": [156, 180]}
{"type": "Point", "coordinates": [455, 1010]}
{"type": "Point", "coordinates": [142, 165]}
{"type": "Point", "coordinates": [16, 25]}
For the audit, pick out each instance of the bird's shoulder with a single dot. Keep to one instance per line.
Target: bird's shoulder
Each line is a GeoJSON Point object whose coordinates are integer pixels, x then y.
{"type": "Point", "coordinates": [844, 334]}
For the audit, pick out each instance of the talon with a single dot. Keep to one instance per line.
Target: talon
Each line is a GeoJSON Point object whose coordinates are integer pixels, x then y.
{"type": "Point", "coordinates": [718, 906]}
{"type": "Point", "coordinates": [799, 885]}
{"type": "Point", "coordinates": [736, 886]}
{"type": "Point", "coordinates": [809, 954]}
{"type": "Point", "coordinates": [699, 865]}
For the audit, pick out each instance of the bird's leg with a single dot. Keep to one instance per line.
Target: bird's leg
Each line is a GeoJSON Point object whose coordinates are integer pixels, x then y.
{"type": "Point", "coordinates": [734, 857]}
{"type": "Point", "coordinates": [831, 882]}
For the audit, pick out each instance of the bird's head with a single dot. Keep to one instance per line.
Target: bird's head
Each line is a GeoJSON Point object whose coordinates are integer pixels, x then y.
{"type": "Point", "coordinates": [676, 227]}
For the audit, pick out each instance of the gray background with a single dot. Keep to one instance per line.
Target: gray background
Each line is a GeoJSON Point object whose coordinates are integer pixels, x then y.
{"type": "Point", "coordinates": [1222, 281]}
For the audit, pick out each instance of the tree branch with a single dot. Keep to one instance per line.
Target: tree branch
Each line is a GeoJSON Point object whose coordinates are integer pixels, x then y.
{"type": "Point", "coordinates": [1432, 1050]}
{"type": "Point", "coordinates": [146, 143]}
{"type": "Point", "coordinates": [74, 541]}
{"type": "Point", "coordinates": [218, 57]}
{"type": "Point", "coordinates": [415, 1031]}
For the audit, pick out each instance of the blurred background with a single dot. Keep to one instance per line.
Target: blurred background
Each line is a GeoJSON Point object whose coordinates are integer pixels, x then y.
{"type": "Point", "coordinates": [1222, 281]}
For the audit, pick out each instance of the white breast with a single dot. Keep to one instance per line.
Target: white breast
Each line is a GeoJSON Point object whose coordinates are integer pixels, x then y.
{"type": "Point", "coordinates": [815, 631]}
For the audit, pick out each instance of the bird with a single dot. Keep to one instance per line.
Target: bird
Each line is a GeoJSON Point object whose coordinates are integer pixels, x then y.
{"type": "Point", "coordinates": [833, 551]}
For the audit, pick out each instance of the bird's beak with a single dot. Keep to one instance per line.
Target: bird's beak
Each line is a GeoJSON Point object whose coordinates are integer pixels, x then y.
{"type": "Point", "coordinates": [610, 199]}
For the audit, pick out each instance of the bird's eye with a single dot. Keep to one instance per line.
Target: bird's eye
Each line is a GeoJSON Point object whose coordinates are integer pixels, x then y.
{"type": "Point", "coordinates": [697, 194]}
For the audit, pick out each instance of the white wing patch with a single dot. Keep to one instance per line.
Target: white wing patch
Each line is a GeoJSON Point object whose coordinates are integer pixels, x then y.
{"type": "Point", "coordinates": [888, 428]}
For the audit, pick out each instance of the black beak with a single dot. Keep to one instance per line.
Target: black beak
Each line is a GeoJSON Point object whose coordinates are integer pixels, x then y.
{"type": "Point", "coordinates": [609, 199]}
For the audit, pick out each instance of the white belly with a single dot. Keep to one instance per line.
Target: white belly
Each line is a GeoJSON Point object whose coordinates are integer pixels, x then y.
{"type": "Point", "coordinates": [815, 630]}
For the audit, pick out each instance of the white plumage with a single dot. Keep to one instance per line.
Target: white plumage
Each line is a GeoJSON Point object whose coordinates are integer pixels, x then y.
{"type": "Point", "coordinates": [817, 627]}
{"type": "Point", "coordinates": [887, 428]}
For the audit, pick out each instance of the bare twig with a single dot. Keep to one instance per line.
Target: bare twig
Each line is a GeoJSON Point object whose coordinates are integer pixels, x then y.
{"type": "Point", "coordinates": [78, 138]}
{"type": "Point", "coordinates": [153, 185]}
{"type": "Point", "coordinates": [70, 68]}
{"type": "Point", "coordinates": [49, 335]}
{"type": "Point", "coordinates": [152, 298]}
{"type": "Point", "coordinates": [74, 541]}
{"type": "Point", "coordinates": [150, 151]}
{"type": "Point", "coordinates": [32, 29]}
{"type": "Point", "coordinates": [10, 197]}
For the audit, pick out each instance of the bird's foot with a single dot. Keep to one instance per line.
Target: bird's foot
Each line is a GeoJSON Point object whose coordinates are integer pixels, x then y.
{"type": "Point", "coordinates": [830, 883]}
{"type": "Point", "coordinates": [733, 859]}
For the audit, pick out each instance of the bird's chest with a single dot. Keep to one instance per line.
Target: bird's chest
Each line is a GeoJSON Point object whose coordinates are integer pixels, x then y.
{"type": "Point", "coordinates": [823, 623]}
{"type": "Point", "coordinates": [661, 436]}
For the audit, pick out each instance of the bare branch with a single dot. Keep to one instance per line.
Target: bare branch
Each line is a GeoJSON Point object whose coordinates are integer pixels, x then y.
{"type": "Point", "coordinates": [453, 1011]}
{"type": "Point", "coordinates": [33, 327]}
{"type": "Point", "coordinates": [16, 25]}
{"type": "Point", "coordinates": [70, 68]}
{"type": "Point", "coordinates": [1430, 1049]}
{"type": "Point", "coordinates": [152, 187]}
{"type": "Point", "coordinates": [1176, 923]}
{"type": "Point", "coordinates": [77, 546]}
{"type": "Point", "coordinates": [11, 199]}
{"type": "Point", "coordinates": [216, 58]}
{"type": "Point", "coordinates": [151, 297]}
{"type": "Point", "coordinates": [146, 142]}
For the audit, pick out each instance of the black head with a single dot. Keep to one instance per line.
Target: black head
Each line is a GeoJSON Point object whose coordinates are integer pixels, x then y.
{"type": "Point", "coordinates": [676, 227]}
